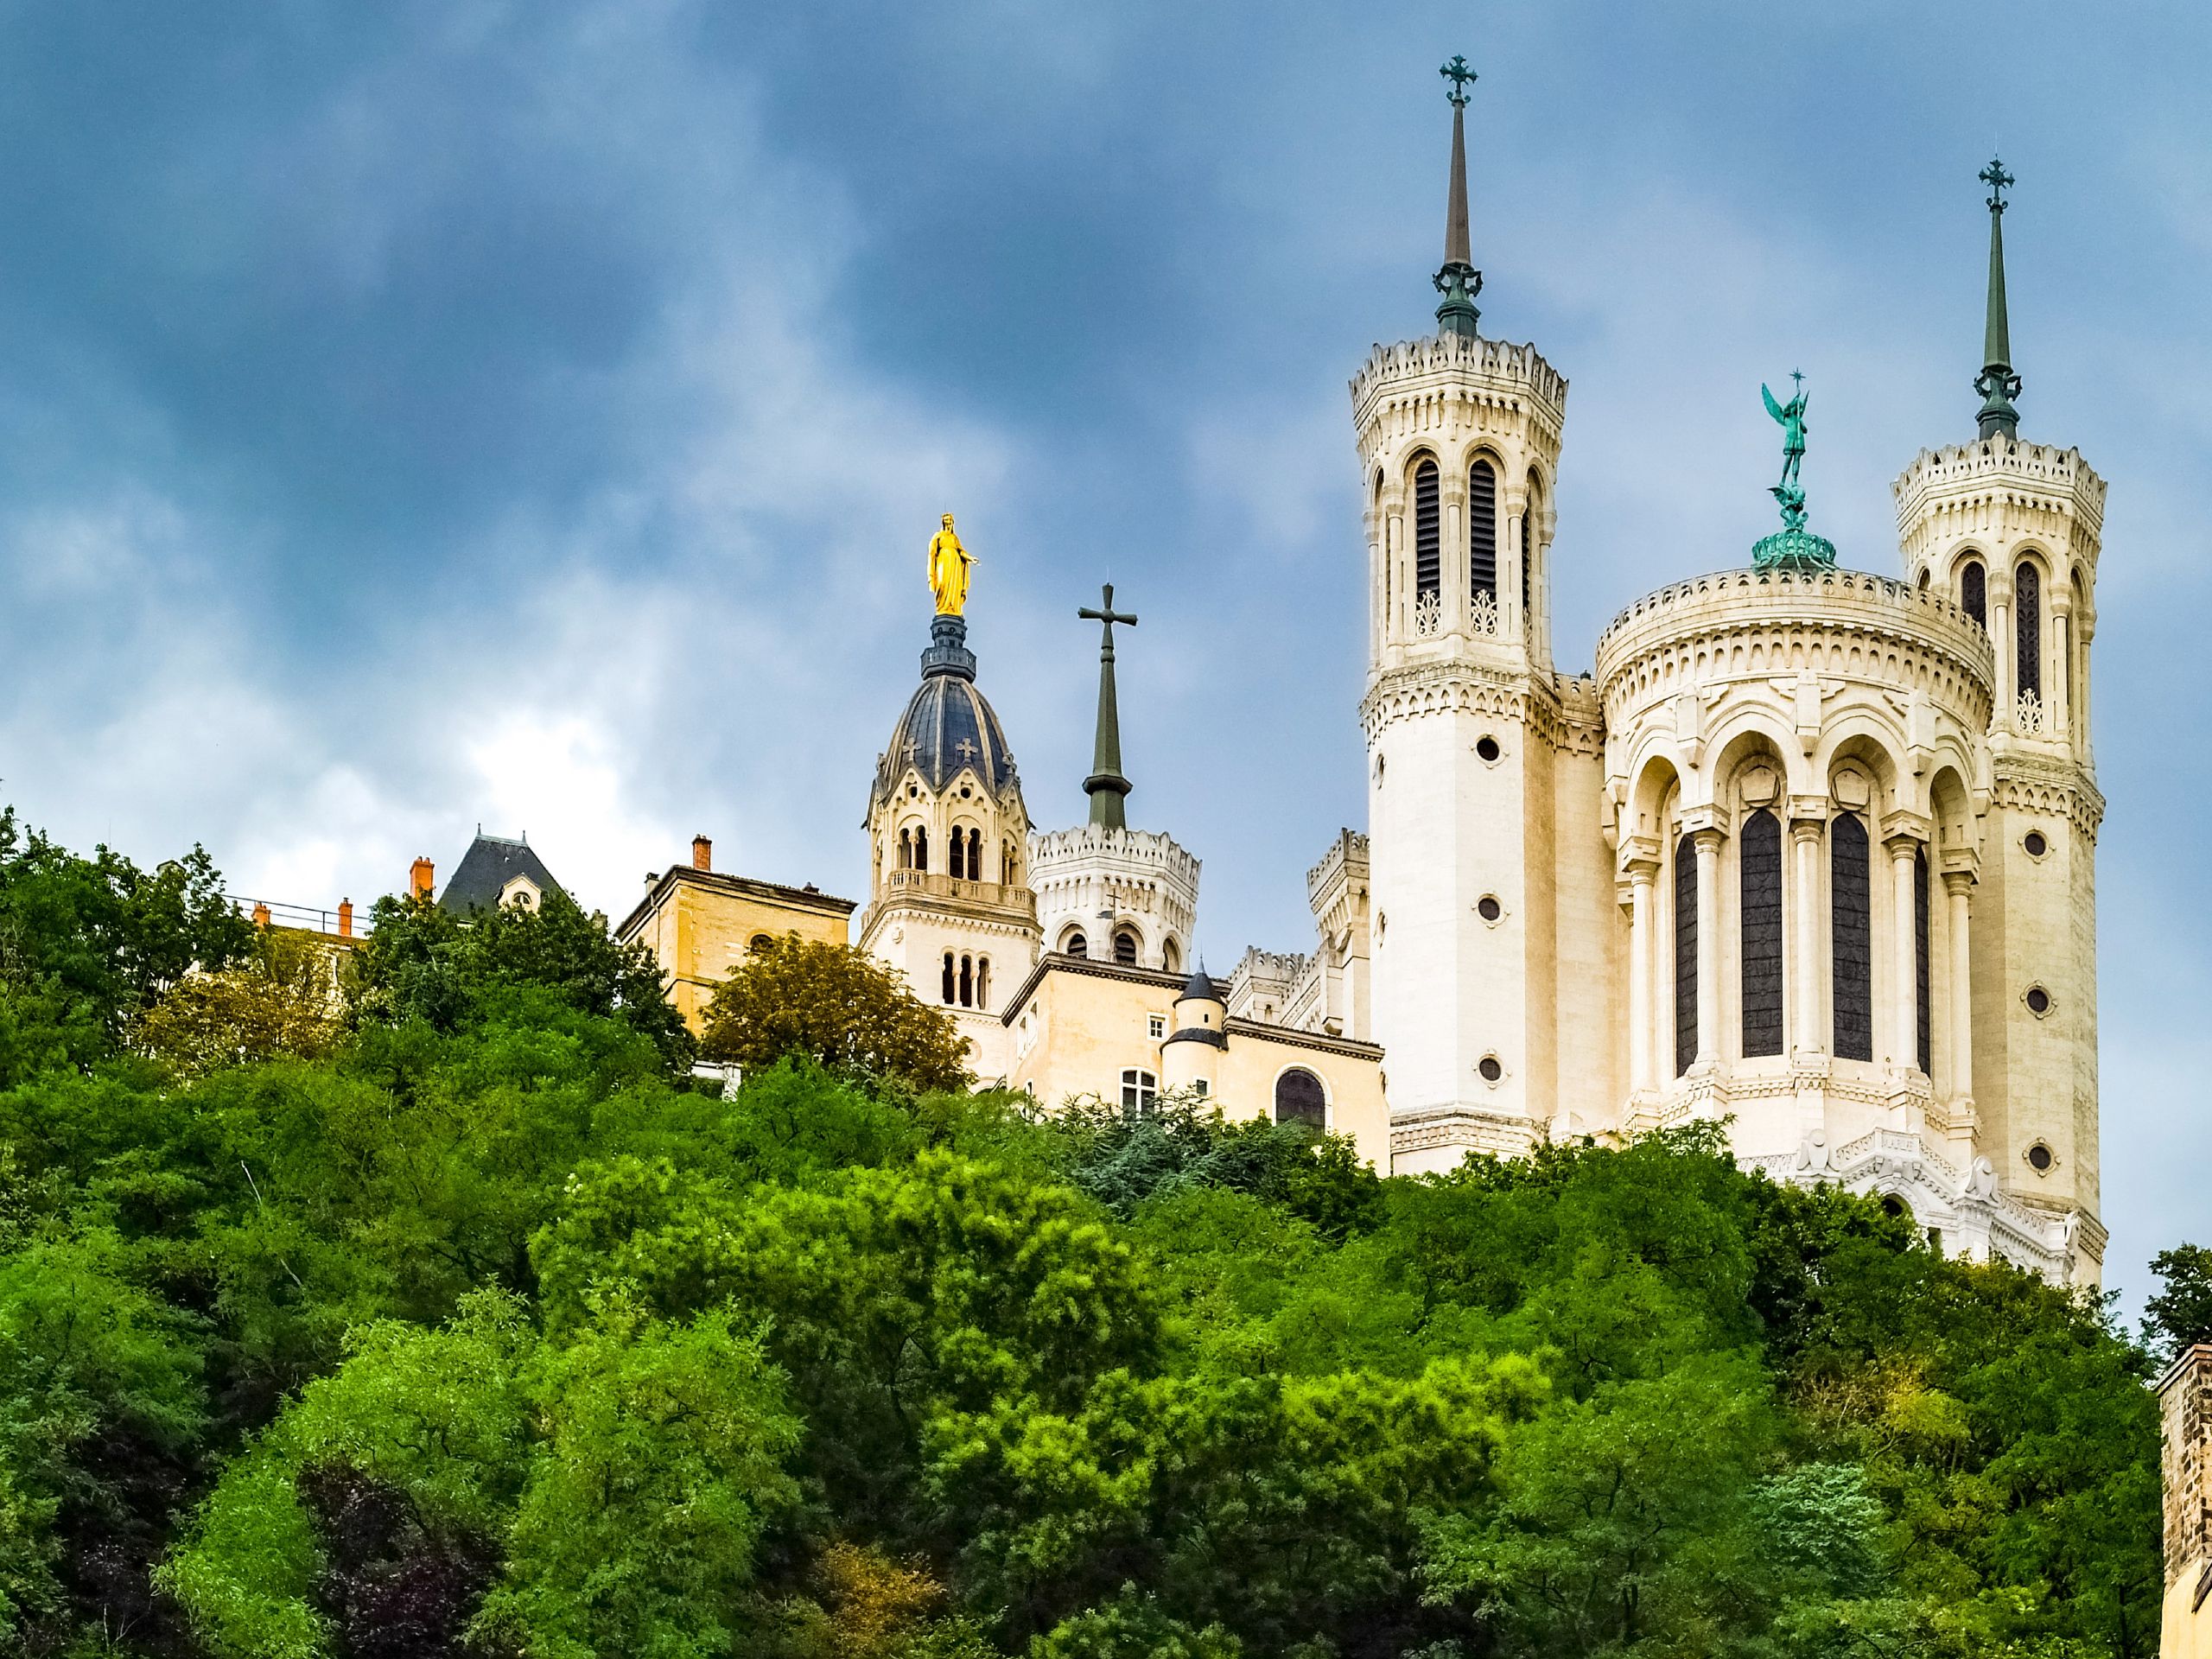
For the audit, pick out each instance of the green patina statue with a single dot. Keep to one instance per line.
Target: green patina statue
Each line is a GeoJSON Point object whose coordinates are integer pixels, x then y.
{"type": "Point", "coordinates": [1793, 547]}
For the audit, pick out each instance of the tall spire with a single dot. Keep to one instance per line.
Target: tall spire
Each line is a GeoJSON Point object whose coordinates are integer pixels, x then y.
{"type": "Point", "coordinates": [1996, 383]}
{"type": "Point", "coordinates": [1459, 282]}
{"type": "Point", "coordinates": [1106, 787]}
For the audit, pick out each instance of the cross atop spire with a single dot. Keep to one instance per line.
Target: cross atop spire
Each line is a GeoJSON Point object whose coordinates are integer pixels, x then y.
{"type": "Point", "coordinates": [1106, 787]}
{"type": "Point", "coordinates": [1459, 282]}
{"type": "Point", "coordinates": [1996, 383]}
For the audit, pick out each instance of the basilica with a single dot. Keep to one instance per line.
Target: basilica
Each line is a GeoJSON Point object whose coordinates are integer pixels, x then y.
{"type": "Point", "coordinates": [1806, 851]}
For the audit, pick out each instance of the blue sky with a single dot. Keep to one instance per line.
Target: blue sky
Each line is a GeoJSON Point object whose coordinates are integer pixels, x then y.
{"type": "Point", "coordinates": [418, 414]}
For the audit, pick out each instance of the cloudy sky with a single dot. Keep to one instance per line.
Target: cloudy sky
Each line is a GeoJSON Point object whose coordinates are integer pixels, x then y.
{"type": "Point", "coordinates": [419, 415]}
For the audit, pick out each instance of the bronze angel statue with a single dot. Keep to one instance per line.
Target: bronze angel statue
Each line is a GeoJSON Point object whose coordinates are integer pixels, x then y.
{"type": "Point", "coordinates": [1791, 417]}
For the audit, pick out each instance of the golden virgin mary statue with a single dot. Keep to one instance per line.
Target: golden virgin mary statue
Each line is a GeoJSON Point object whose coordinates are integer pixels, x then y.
{"type": "Point", "coordinates": [949, 567]}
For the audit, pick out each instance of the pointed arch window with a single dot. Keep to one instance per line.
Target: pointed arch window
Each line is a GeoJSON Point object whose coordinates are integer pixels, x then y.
{"type": "Point", "coordinates": [1528, 580]}
{"type": "Point", "coordinates": [1076, 944]}
{"type": "Point", "coordinates": [1125, 948]}
{"type": "Point", "coordinates": [1851, 937]}
{"type": "Point", "coordinates": [1921, 998]}
{"type": "Point", "coordinates": [921, 848]}
{"type": "Point", "coordinates": [1428, 532]}
{"type": "Point", "coordinates": [1759, 853]}
{"type": "Point", "coordinates": [1482, 528]}
{"type": "Point", "coordinates": [2027, 639]}
{"type": "Point", "coordinates": [1973, 592]}
{"type": "Point", "coordinates": [949, 984]}
{"type": "Point", "coordinates": [1685, 955]}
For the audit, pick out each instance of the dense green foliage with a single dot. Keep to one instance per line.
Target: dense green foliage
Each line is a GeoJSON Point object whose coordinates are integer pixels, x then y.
{"type": "Point", "coordinates": [834, 1004]}
{"type": "Point", "coordinates": [489, 1333]}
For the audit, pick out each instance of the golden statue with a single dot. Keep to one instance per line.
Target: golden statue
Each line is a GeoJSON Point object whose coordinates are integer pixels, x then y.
{"type": "Point", "coordinates": [949, 566]}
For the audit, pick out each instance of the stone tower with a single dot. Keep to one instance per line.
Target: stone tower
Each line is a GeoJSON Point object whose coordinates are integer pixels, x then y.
{"type": "Point", "coordinates": [2009, 531]}
{"type": "Point", "coordinates": [1458, 440]}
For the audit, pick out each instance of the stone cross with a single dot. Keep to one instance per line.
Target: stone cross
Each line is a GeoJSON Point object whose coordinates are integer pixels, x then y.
{"type": "Point", "coordinates": [1107, 615]}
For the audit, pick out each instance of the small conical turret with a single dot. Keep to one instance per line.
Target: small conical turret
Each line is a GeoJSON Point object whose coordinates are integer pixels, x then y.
{"type": "Point", "coordinates": [1996, 383]}
{"type": "Point", "coordinates": [1106, 786]}
{"type": "Point", "coordinates": [1458, 281]}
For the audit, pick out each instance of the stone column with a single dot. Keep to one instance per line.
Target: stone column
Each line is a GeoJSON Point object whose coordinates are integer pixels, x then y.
{"type": "Point", "coordinates": [1807, 820]}
{"type": "Point", "coordinates": [1512, 623]}
{"type": "Point", "coordinates": [1904, 956]}
{"type": "Point", "coordinates": [1641, 1076]}
{"type": "Point", "coordinates": [1959, 886]}
{"type": "Point", "coordinates": [2058, 686]}
{"type": "Point", "coordinates": [1709, 840]}
{"type": "Point", "coordinates": [2000, 637]}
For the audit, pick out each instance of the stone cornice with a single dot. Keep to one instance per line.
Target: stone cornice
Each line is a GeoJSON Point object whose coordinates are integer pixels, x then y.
{"type": "Point", "coordinates": [2033, 784]}
{"type": "Point", "coordinates": [1458, 686]}
{"type": "Point", "coordinates": [1997, 470]}
{"type": "Point", "coordinates": [1509, 372]}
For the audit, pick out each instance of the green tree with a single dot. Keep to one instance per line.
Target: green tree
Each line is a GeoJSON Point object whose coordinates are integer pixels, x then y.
{"type": "Point", "coordinates": [2181, 1313]}
{"type": "Point", "coordinates": [838, 1007]}
{"type": "Point", "coordinates": [281, 1001]}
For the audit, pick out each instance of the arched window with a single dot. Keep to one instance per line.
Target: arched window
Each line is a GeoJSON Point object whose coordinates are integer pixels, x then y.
{"type": "Point", "coordinates": [1973, 592]}
{"type": "Point", "coordinates": [948, 991]}
{"type": "Point", "coordinates": [982, 982]}
{"type": "Point", "coordinates": [1850, 921]}
{"type": "Point", "coordinates": [1428, 533]}
{"type": "Point", "coordinates": [1482, 528]}
{"type": "Point", "coordinates": [1527, 579]}
{"type": "Point", "coordinates": [906, 849]}
{"type": "Point", "coordinates": [1076, 944]}
{"type": "Point", "coordinates": [921, 848]}
{"type": "Point", "coordinates": [1299, 1098]}
{"type": "Point", "coordinates": [958, 866]}
{"type": "Point", "coordinates": [975, 855]}
{"type": "Point", "coordinates": [1140, 1089]}
{"type": "Point", "coordinates": [967, 984]}
{"type": "Point", "coordinates": [1759, 854]}
{"type": "Point", "coordinates": [1685, 955]}
{"type": "Point", "coordinates": [1920, 986]}
{"type": "Point", "coordinates": [759, 943]}
{"type": "Point", "coordinates": [1170, 958]}
{"type": "Point", "coordinates": [2027, 609]}
{"type": "Point", "coordinates": [1125, 948]}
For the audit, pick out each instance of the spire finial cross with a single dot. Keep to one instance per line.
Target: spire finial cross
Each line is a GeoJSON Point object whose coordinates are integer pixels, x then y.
{"type": "Point", "coordinates": [1459, 74]}
{"type": "Point", "coordinates": [1998, 180]}
{"type": "Point", "coordinates": [1107, 615]}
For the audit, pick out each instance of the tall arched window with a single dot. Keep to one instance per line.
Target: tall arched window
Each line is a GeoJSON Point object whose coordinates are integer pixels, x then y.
{"type": "Point", "coordinates": [1299, 1098]}
{"type": "Point", "coordinates": [2027, 608]}
{"type": "Point", "coordinates": [906, 849]}
{"type": "Point", "coordinates": [982, 982]}
{"type": "Point", "coordinates": [1527, 578]}
{"type": "Point", "coordinates": [958, 865]}
{"type": "Point", "coordinates": [1428, 533]}
{"type": "Point", "coordinates": [948, 988]}
{"type": "Point", "coordinates": [1973, 592]}
{"type": "Point", "coordinates": [921, 848]}
{"type": "Point", "coordinates": [1482, 528]}
{"type": "Point", "coordinates": [1125, 948]}
{"type": "Point", "coordinates": [1921, 1011]}
{"type": "Point", "coordinates": [1685, 955]}
{"type": "Point", "coordinates": [975, 855]}
{"type": "Point", "coordinates": [967, 984]}
{"type": "Point", "coordinates": [1171, 959]}
{"type": "Point", "coordinates": [1850, 921]}
{"type": "Point", "coordinates": [1759, 852]}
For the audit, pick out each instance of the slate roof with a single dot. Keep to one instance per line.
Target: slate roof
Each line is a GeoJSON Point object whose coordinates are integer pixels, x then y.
{"type": "Point", "coordinates": [948, 725]}
{"type": "Point", "coordinates": [486, 869]}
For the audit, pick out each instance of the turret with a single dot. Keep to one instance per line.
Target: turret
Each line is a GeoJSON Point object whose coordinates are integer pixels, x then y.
{"type": "Point", "coordinates": [1190, 1056]}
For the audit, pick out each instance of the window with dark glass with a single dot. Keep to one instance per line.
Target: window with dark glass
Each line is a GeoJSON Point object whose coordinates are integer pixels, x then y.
{"type": "Point", "coordinates": [1299, 1098]}
{"type": "Point", "coordinates": [949, 975]}
{"type": "Point", "coordinates": [1759, 854]}
{"type": "Point", "coordinates": [1528, 561]}
{"type": "Point", "coordinates": [1685, 955]}
{"type": "Point", "coordinates": [1428, 532]}
{"type": "Point", "coordinates": [1921, 988]}
{"type": "Point", "coordinates": [1851, 938]}
{"type": "Point", "coordinates": [958, 865]}
{"type": "Point", "coordinates": [1482, 528]}
{"type": "Point", "coordinates": [1078, 945]}
{"type": "Point", "coordinates": [1973, 592]}
{"type": "Point", "coordinates": [906, 849]}
{"type": "Point", "coordinates": [1140, 1089]}
{"type": "Point", "coordinates": [2027, 638]}
{"type": "Point", "coordinates": [921, 848]}
{"type": "Point", "coordinates": [975, 855]}
{"type": "Point", "coordinates": [982, 982]}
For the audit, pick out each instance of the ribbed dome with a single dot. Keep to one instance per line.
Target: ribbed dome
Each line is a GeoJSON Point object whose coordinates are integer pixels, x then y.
{"type": "Point", "coordinates": [948, 723]}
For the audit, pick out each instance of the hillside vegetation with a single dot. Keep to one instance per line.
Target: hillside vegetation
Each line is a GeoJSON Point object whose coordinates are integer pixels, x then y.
{"type": "Point", "coordinates": [442, 1314]}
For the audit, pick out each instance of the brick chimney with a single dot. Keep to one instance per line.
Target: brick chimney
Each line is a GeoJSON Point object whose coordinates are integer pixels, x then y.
{"type": "Point", "coordinates": [703, 853]}
{"type": "Point", "coordinates": [345, 919]}
{"type": "Point", "coordinates": [422, 878]}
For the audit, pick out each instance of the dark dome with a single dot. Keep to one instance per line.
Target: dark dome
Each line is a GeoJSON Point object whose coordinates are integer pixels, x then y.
{"type": "Point", "coordinates": [948, 724]}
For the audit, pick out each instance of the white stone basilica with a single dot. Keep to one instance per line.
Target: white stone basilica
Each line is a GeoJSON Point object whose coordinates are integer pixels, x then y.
{"type": "Point", "coordinates": [1809, 850]}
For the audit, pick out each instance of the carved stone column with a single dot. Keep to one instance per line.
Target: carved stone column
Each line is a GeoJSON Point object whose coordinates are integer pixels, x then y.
{"type": "Point", "coordinates": [1642, 1075]}
{"type": "Point", "coordinates": [1807, 819]}
{"type": "Point", "coordinates": [1904, 954]}
{"type": "Point", "coordinates": [2058, 676]}
{"type": "Point", "coordinates": [2001, 637]}
{"type": "Point", "coordinates": [1959, 886]}
{"type": "Point", "coordinates": [1707, 841]}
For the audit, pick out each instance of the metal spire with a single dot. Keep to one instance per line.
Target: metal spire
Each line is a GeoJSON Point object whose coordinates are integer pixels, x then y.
{"type": "Point", "coordinates": [1996, 383]}
{"type": "Point", "coordinates": [1459, 282]}
{"type": "Point", "coordinates": [1106, 787]}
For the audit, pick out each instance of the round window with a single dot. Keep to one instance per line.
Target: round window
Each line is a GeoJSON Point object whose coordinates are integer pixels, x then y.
{"type": "Point", "coordinates": [1490, 1070]}
{"type": "Point", "coordinates": [1487, 748]}
{"type": "Point", "coordinates": [2039, 1157]}
{"type": "Point", "coordinates": [1488, 908]}
{"type": "Point", "coordinates": [2036, 844]}
{"type": "Point", "coordinates": [2038, 1000]}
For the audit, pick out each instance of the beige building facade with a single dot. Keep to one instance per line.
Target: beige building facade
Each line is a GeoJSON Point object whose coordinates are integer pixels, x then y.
{"type": "Point", "coordinates": [2185, 1465]}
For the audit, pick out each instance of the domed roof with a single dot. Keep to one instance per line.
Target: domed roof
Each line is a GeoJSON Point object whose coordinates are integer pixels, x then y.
{"type": "Point", "coordinates": [948, 724]}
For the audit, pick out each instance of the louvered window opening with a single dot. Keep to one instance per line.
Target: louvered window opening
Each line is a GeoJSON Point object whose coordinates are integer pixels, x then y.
{"type": "Point", "coordinates": [2027, 591]}
{"type": "Point", "coordinates": [1973, 593]}
{"type": "Point", "coordinates": [1759, 852]}
{"type": "Point", "coordinates": [1850, 931]}
{"type": "Point", "coordinates": [1685, 955]}
{"type": "Point", "coordinates": [1922, 1011]}
{"type": "Point", "coordinates": [1428, 533]}
{"type": "Point", "coordinates": [1527, 556]}
{"type": "Point", "coordinates": [1482, 528]}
